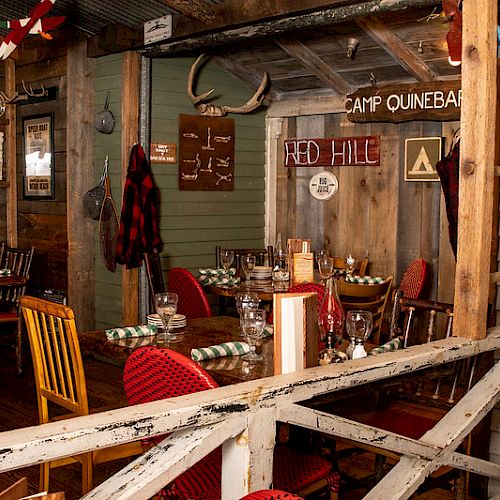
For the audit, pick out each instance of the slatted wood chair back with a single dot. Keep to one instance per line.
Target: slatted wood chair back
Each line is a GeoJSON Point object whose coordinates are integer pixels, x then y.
{"type": "Point", "coordinates": [60, 380]}
{"type": "Point", "coordinates": [154, 273]}
{"type": "Point", "coordinates": [263, 257]}
{"type": "Point", "coordinates": [360, 265]}
{"type": "Point", "coordinates": [372, 298]}
{"type": "Point", "coordinates": [18, 260]}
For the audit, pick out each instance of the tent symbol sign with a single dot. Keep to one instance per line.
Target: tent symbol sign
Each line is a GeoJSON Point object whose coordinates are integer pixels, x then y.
{"type": "Point", "coordinates": [421, 156]}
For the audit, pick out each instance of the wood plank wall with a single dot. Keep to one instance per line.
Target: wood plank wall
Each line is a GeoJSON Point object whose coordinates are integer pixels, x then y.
{"type": "Point", "coordinates": [108, 71]}
{"type": "Point", "coordinates": [42, 223]}
{"type": "Point", "coordinates": [194, 222]}
{"type": "Point", "coordinates": [375, 212]}
{"type": "Point", "coordinates": [191, 223]}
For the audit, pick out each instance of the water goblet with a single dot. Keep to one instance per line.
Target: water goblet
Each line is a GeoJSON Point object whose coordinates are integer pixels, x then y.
{"type": "Point", "coordinates": [246, 301]}
{"type": "Point", "coordinates": [325, 266]}
{"type": "Point", "coordinates": [253, 323]}
{"type": "Point", "coordinates": [359, 324]}
{"type": "Point", "coordinates": [226, 258]}
{"type": "Point", "coordinates": [247, 264]}
{"type": "Point", "coordinates": [166, 307]}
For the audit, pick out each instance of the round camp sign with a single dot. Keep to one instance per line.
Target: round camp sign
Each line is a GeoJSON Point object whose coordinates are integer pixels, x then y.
{"type": "Point", "coordinates": [323, 185]}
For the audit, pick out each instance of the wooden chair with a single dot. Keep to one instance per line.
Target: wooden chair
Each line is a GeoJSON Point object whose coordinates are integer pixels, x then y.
{"type": "Point", "coordinates": [372, 298]}
{"type": "Point", "coordinates": [271, 495]}
{"type": "Point", "coordinates": [359, 267]}
{"type": "Point", "coordinates": [263, 257]}
{"type": "Point", "coordinates": [193, 302]}
{"type": "Point", "coordinates": [413, 404]}
{"type": "Point", "coordinates": [18, 260]}
{"type": "Point", "coordinates": [60, 380]}
{"type": "Point", "coordinates": [155, 276]}
{"type": "Point", "coordinates": [153, 373]}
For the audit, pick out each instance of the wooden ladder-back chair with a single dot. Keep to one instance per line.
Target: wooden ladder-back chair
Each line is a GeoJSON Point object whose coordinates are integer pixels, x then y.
{"type": "Point", "coordinates": [60, 380]}
{"type": "Point", "coordinates": [413, 404]}
{"type": "Point", "coordinates": [373, 297]}
{"type": "Point", "coordinates": [270, 495]}
{"type": "Point", "coordinates": [153, 373]}
{"type": "Point", "coordinates": [154, 273]}
{"type": "Point", "coordinates": [193, 302]}
{"type": "Point", "coordinates": [360, 265]}
{"type": "Point", "coordinates": [263, 257]}
{"type": "Point", "coordinates": [18, 261]}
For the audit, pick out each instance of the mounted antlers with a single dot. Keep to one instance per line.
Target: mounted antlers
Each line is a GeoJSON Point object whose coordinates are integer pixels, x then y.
{"type": "Point", "coordinates": [16, 97]}
{"type": "Point", "coordinates": [211, 109]}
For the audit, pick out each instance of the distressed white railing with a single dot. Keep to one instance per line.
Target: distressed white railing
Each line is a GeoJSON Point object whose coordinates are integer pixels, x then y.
{"type": "Point", "coordinates": [242, 418]}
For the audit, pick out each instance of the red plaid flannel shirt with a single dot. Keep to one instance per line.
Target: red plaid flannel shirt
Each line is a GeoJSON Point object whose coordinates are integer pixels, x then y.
{"type": "Point", "coordinates": [139, 231]}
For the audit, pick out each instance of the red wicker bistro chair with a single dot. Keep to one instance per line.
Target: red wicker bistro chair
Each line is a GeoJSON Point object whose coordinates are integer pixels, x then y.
{"type": "Point", "coordinates": [152, 373]}
{"type": "Point", "coordinates": [413, 279]}
{"type": "Point", "coordinates": [271, 495]}
{"type": "Point", "coordinates": [193, 302]}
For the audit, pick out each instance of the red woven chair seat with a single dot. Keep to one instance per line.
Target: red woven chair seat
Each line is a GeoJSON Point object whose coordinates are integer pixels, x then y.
{"type": "Point", "coordinates": [193, 302]}
{"type": "Point", "coordinates": [271, 495]}
{"type": "Point", "coordinates": [153, 373]}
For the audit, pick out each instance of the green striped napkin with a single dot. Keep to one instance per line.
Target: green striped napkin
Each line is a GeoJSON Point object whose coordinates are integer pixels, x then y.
{"type": "Point", "coordinates": [365, 280]}
{"type": "Point", "coordinates": [392, 345]}
{"type": "Point", "coordinates": [220, 350]}
{"type": "Point", "coordinates": [268, 331]}
{"type": "Point", "coordinates": [205, 279]}
{"type": "Point", "coordinates": [131, 331]}
{"type": "Point", "coordinates": [209, 271]}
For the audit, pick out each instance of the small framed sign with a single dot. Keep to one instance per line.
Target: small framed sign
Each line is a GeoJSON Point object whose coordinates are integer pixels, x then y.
{"type": "Point", "coordinates": [421, 156]}
{"type": "Point", "coordinates": [163, 153]}
{"type": "Point", "coordinates": [38, 146]}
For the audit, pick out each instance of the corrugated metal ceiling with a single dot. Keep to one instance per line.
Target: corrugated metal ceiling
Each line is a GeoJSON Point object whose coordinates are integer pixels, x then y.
{"type": "Point", "coordinates": [91, 15]}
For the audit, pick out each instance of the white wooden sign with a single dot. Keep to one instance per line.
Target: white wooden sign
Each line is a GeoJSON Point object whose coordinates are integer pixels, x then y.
{"type": "Point", "coordinates": [158, 29]}
{"type": "Point", "coordinates": [323, 186]}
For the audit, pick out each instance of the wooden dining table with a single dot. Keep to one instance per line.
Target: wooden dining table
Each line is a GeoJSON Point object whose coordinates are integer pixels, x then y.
{"type": "Point", "coordinates": [13, 280]}
{"type": "Point", "coordinates": [199, 332]}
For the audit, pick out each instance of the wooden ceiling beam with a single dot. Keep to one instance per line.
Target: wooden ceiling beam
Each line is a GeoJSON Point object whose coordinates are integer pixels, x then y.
{"type": "Point", "coordinates": [194, 9]}
{"type": "Point", "coordinates": [395, 47]}
{"type": "Point", "coordinates": [321, 70]}
{"type": "Point", "coordinates": [189, 37]}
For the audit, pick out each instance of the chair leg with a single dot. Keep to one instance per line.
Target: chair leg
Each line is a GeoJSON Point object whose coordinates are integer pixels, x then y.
{"type": "Point", "coordinates": [44, 476]}
{"type": "Point", "coordinates": [19, 347]}
{"type": "Point", "coordinates": [87, 473]}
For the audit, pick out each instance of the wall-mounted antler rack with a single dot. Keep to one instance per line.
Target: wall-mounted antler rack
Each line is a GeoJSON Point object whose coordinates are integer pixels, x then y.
{"type": "Point", "coordinates": [27, 96]}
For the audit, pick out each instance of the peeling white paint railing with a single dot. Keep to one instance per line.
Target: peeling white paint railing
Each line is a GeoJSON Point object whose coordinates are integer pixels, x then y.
{"type": "Point", "coordinates": [242, 418]}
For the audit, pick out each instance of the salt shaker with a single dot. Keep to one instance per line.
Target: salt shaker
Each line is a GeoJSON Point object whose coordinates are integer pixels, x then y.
{"type": "Point", "coordinates": [359, 349]}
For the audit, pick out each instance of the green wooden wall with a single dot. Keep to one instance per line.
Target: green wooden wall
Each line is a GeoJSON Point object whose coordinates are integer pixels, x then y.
{"type": "Point", "coordinates": [192, 223]}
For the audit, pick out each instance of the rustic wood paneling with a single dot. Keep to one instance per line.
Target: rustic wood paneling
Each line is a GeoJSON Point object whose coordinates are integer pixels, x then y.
{"type": "Point", "coordinates": [232, 218]}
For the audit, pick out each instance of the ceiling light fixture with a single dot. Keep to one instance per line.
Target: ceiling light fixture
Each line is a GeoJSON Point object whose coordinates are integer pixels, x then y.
{"type": "Point", "coordinates": [352, 45]}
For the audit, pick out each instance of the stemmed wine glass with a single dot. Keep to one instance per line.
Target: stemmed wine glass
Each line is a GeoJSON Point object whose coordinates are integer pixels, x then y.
{"type": "Point", "coordinates": [253, 323]}
{"type": "Point", "coordinates": [247, 264]}
{"type": "Point", "coordinates": [226, 257]}
{"type": "Point", "coordinates": [359, 324]}
{"type": "Point", "coordinates": [325, 266]}
{"type": "Point", "coordinates": [246, 301]}
{"type": "Point", "coordinates": [166, 307]}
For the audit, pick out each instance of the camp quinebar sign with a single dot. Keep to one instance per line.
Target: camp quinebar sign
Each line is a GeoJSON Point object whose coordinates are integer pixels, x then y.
{"type": "Point", "coordinates": [439, 101]}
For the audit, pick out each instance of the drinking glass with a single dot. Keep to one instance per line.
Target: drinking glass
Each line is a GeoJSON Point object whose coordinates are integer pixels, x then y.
{"type": "Point", "coordinates": [325, 266]}
{"type": "Point", "coordinates": [359, 324]}
{"type": "Point", "coordinates": [247, 264]}
{"type": "Point", "coordinates": [226, 257]}
{"type": "Point", "coordinates": [166, 307]}
{"type": "Point", "coordinates": [246, 301]}
{"type": "Point", "coordinates": [253, 323]}
{"type": "Point", "coordinates": [319, 254]}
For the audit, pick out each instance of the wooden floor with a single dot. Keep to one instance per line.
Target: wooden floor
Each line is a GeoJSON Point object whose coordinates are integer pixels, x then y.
{"type": "Point", "coordinates": [105, 389]}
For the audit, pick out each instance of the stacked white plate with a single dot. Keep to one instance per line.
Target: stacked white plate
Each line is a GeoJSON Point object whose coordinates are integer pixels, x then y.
{"type": "Point", "coordinates": [262, 273]}
{"type": "Point", "coordinates": [178, 321]}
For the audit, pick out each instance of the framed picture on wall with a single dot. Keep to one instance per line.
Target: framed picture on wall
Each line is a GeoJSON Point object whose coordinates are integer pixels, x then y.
{"type": "Point", "coordinates": [38, 152]}
{"type": "Point", "coordinates": [421, 156]}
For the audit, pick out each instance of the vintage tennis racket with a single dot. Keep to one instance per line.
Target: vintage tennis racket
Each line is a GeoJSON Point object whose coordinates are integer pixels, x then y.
{"type": "Point", "coordinates": [108, 228]}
